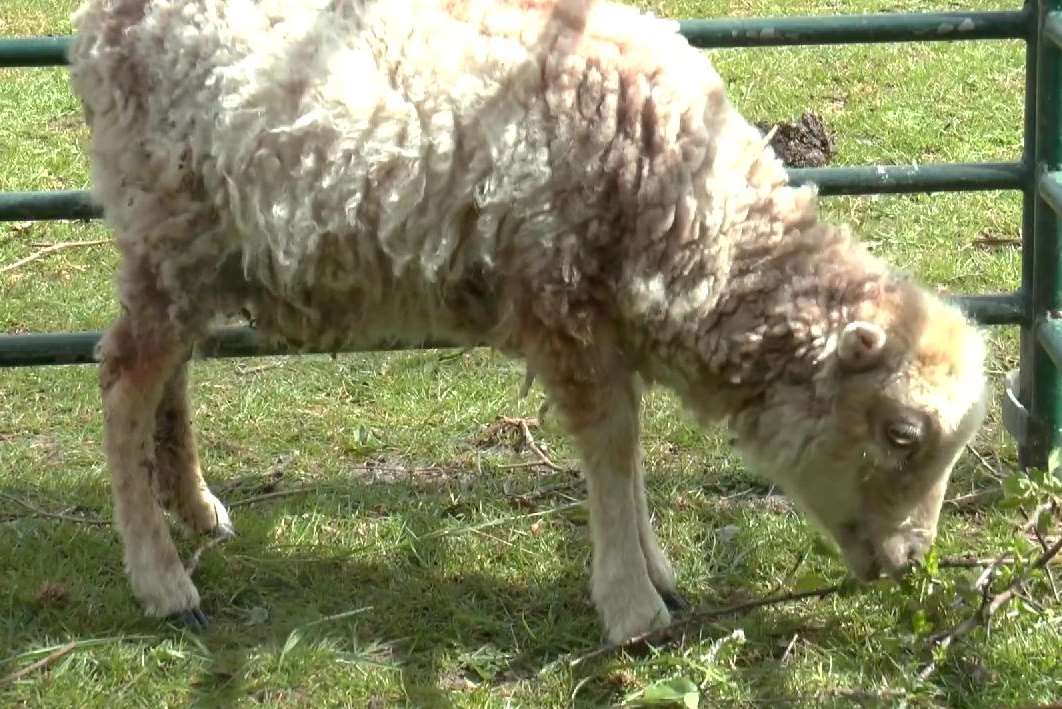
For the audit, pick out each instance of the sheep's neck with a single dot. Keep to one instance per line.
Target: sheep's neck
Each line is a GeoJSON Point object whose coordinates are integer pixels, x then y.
{"type": "Point", "coordinates": [776, 317]}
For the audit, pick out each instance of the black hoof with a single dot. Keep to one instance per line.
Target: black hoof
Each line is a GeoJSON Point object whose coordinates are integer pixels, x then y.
{"type": "Point", "coordinates": [674, 602]}
{"type": "Point", "coordinates": [194, 619]}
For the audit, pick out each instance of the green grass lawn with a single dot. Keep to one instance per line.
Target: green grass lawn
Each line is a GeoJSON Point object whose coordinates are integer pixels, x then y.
{"type": "Point", "coordinates": [418, 557]}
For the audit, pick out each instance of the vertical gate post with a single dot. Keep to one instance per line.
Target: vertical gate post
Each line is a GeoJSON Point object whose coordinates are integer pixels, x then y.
{"type": "Point", "coordinates": [1040, 384]}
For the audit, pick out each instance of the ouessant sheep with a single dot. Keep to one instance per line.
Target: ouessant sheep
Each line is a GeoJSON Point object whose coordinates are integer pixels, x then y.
{"type": "Point", "coordinates": [564, 180]}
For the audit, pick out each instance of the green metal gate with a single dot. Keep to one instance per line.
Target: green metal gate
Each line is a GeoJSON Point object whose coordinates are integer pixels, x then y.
{"type": "Point", "coordinates": [1033, 400]}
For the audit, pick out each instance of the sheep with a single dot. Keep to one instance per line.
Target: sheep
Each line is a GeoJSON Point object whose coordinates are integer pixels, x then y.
{"type": "Point", "coordinates": [565, 181]}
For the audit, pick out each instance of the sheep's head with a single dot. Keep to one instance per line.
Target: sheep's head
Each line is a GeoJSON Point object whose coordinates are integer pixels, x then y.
{"type": "Point", "coordinates": [868, 447]}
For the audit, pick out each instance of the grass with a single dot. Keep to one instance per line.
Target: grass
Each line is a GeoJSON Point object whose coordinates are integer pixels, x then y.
{"type": "Point", "coordinates": [456, 584]}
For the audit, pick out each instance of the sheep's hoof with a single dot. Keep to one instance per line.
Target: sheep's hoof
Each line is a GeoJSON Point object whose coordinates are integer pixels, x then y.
{"type": "Point", "coordinates": [674, 602]}
{"type": "Point", "coordinates": [194, 619]}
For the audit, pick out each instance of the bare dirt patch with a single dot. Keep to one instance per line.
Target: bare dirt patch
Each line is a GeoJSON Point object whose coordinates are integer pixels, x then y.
{"type": "Point", "coordinates": [805, 142]}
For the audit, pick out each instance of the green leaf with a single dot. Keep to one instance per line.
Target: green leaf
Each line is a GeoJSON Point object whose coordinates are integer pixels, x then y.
{"type": "Point", "coordinates": [821, 546]}
{"type": "Point", "coordinates": [294, 638]}
{"type": "Point", "coordinates": [1054, 459]}
{"type": "Point", "coordinates": [673, 692]}
{"type": "Point", "coordinates": [809, 581]}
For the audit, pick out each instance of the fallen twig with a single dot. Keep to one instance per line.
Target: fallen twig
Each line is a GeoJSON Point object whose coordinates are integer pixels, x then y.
{"type": "Point", "coordinates": [96, 521]}
{"type": "Point", "coordinates": [243, 371]}
{"type": "Point", "coordinates": [529, 440]}
{"type": "Point", "coordinates": [41, 663]}
{"type": "Point", "coordinates": [698, 617]}
{"type": "Point", "coordinates": [272, 495]}
{"type": "Point", "coordinates": [975, 499]}
{"type": "Point", "coordinates": [989, 605]}
{"type": "Point", "coordinates": [51, 250]}
{"type": "Point", "coordinates": [959, 563]}
{"type": "Point", "coordinates": [984, 462]}
{"type": "Point", "coordinates": [193, 562]}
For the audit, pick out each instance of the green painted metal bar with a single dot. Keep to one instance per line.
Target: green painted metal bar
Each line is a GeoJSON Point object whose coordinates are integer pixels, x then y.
{"type": "Point", "coordinates": [1052, 30]}
{"type": "Point", "coordinates": [868, 179]}
{"type": "Point", "coordinates": [858, 29]}
{"type": "Point", "coordinates": [59, 348]}
{"type": "Point", "coordinates": [765, 32]}
{"type": "Point", "coordinates": [1049, 333]}
{"type": "Point", "coordinates": [39, 206]}
{"type": "Point", "coordinates": [33, 51]}
{"type": "Point", "coordinates": [1049, 187]}
{"type": "Point", "coordinates": [1020, 383]}
{"type": "Point", "coordinates": [898, 179]}
{"type": "Point", "coordinates": [1001, 309]}
{"type": "Point", "coordinates": [1044, 400]}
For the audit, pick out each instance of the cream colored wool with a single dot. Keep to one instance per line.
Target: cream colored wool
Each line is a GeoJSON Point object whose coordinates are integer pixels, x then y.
{"type": "Point", "coordinates": [564, 180]}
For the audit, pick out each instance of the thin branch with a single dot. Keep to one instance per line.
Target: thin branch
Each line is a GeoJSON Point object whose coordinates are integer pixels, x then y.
{"type": "Point", "coordinates": [989, 606]}
{"type": "Point", "coordinates": [51, 250]}
{"type": "Point", "coordinates": [667, 634]}
{"type": "Point", "coordinates": [975, 499]}
{"type": "Point", "coordinates": [48, 659]}
{"type": "Point", "coordinates": [529, 440]}
{"type": "Point", "coordinates": [958, 563]}
{"type": "Point", "coordinates": [984, 461]}
{"type": "Point", "coordinates": [96, 521]}
{"type": "Point", "coordinates": [273, 495]}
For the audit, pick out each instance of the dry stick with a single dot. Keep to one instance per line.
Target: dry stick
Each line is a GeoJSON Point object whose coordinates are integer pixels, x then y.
{"type": "Point", "coordinates": [530, 441]}
{"type": "Point", "coordinates": [193, 562]}
{"type": "Point", "coordinates": [51, 250]}
{"type": "Point", "coordinates": [41, 663]}
{"type": "Point", "coordinates": [1032, 521]}
{"type": "Point", "coordinates": [988, 466]}
{"type": "Point", "coordinates": [96, 521]}
{"type": "Point", "coordinates": [272, 495]}
{"type": "Point", "coordinates": [974, 499]}
{"type": "Point", "coordinates": [989, 607]}
{"type": "Point", "coordinates": [665, 634]}
{"type": "Point", "coordinates": [949, 563]}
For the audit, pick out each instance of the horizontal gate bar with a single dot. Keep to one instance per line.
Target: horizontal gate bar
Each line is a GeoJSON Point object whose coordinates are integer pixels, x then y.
{"type": "Point", "coordinates": [1049, 333]}
{"type": "Point", "coordinates": [860, 29]}
{"type": "Point", "coordinates": [1002, 309]}
{"type": "Point", "coordinates": [765, 32]}
{"type": "Point", "coordinates": [868, 179]}
{"type": "Point", "coordinates": [77, 347]}
{"type": "Point", "coordinates": [33, 51]}
{"type": "Point", "coordinates": [897, 179]}
{"type": "Point", "coordinates": [30, 206]}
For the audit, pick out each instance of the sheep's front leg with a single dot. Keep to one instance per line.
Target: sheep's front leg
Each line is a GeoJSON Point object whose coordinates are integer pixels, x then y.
{"type": "Point", "coordinates": [180, 483]}
{"type": "Point", "coordinates": [621, 587]}
{"type": "Point", "coordinates": [135, 364]}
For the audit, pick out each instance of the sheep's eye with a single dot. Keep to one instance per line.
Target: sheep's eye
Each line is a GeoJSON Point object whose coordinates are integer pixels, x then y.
{"type": "Point", "coordinates": [904, 433]}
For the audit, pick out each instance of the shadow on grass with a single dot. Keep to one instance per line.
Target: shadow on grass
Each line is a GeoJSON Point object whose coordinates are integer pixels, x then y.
{"type": "Point", "coordinates": [408, 602]}
{"type": "Point", "coordinates": [412, 609]}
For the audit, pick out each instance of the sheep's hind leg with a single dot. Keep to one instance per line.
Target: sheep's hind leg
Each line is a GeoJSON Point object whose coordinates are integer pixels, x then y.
{"type": "Point", "coordinates": [180, 483]}
{"type": "Point", "coordinates": [661, 572]}
{"type": "Point", "coordinates": [137, 357]}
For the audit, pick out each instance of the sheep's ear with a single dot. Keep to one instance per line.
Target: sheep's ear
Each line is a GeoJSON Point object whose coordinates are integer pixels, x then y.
{"type": "Point", "coordinates": [860, 345]}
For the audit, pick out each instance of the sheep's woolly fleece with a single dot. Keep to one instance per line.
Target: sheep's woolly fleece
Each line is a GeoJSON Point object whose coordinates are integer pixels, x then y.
{"type": "Point", "coordinates": [493, 171]}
